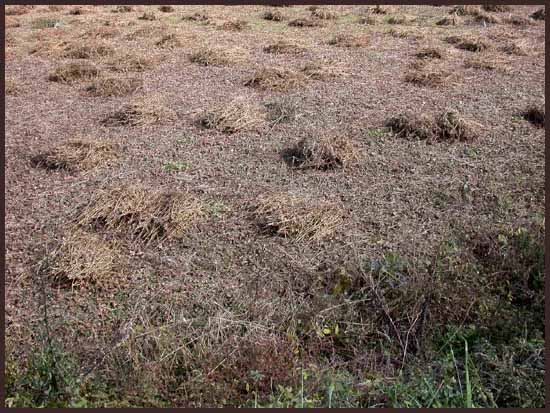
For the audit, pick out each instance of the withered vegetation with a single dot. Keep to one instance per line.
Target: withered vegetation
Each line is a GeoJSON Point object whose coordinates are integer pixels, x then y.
{"type": "Point", "coordinates": [238, 115]}
{"type": "Point", "coordinates": [449, 126]}
{"type": "Point", "coordinates": [72, 72]}
{"type": "Point", "coordinates": [142, 214]}
{"type": "Point", "coordinates": [324, 153]}
{"type": "Point", "coordinates": [77, 154]}
{"type": "Point", "coordinates": [145, 111]}
{"type": "Point", "coordinates": [109, 86]}
{"type": "Point", "coordinates": [297, 217]}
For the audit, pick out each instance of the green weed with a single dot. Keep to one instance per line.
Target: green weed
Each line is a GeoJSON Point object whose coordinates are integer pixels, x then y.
{"type": "Point", "coordinates": [175, 166]}
{"type": "Point", "coordinates": [45, 23]}
{"type": "Point", "coordinates": [217, 208]}
{"type": "Point", "coordinates": [378, 132]}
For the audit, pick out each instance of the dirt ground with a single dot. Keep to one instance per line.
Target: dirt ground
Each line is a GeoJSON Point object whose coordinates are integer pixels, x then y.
{"type": "Point", "coordinates": [188, 214]}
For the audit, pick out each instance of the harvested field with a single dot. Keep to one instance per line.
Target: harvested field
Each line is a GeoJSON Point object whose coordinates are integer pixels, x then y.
{"type": "Point", "coordinates": [264, 206]}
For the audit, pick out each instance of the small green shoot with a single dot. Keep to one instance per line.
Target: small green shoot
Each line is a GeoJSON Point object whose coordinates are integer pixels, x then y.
{"type": "Point", "coordinates": [175, 166]}
{"type": "Point", "coordinates": [217, 208]}
{"type": "Point", "coordinates": [467, 372]}
{"type": "Point", "coordinates": [378, 132]}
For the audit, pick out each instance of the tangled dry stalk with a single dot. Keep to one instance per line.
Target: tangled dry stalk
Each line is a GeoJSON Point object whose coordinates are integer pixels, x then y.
{"type": "Point", "coordinates": [77, 154]}
{"type": "Point", "coordinates": [294, 216]}
{"type": "Point", "coordinates": [449, 126]}
{"type": "Point", "coordinates": [114, 86]}
{"type": "Point", "coordinates": [324, 153]}
{"type": "Point", "coordinates": [72, 72]}
{"type": "Point", "coordinates": [144, 111]}
{"type": "Point", "coordinates": [141, 213]}
{"type": "Point", "coordinates": [238, 115]}
{"type": "Point", "coordinates": [427, 74]}
{"type": "Point", "coordinates": [277, 79]}
{"type": "Point", "coordinates": [84, 260]}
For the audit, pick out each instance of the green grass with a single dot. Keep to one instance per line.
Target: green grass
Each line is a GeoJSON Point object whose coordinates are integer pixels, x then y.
{"type": "Point", "coordinates": [45, 23]}
{"type": "Point", "coordinates": [471, 152]}
{"type": "Point", "coordinates": [217, 208]}
{"type": "Point", "coordinates": [175, 166]}
{"type": "Point", "coordinates": [378, 132]}
{"type": "Point", "coordinates": [173, 19]}
{"type": "Point", "coordinates": [348, 19]}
